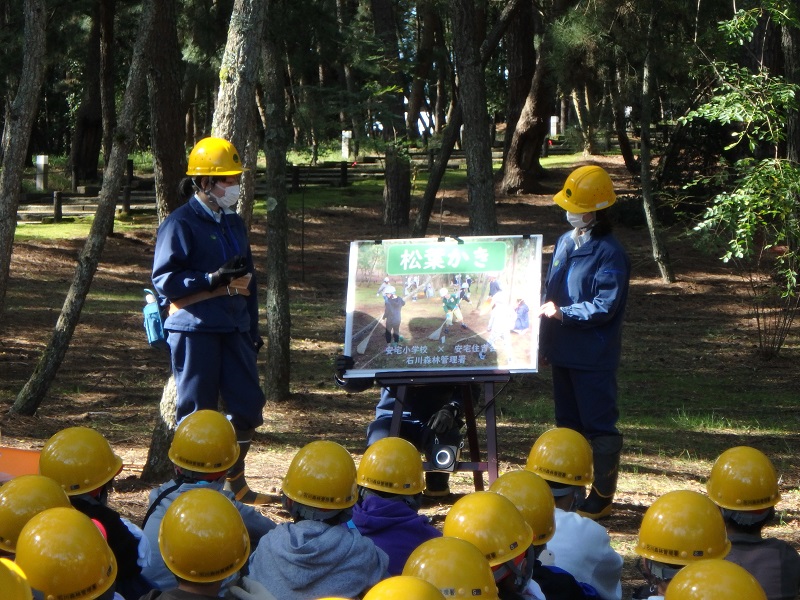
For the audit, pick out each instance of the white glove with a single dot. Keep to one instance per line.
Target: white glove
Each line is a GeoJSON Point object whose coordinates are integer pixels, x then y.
{"type": "Point", "coordinates": [250, 589]}
{"type": "Point", "coordinates": [144, 544]}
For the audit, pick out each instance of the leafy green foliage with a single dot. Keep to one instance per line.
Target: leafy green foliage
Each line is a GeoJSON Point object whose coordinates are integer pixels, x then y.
{"type": "Point", "coordinates": [754, 220]}
{"type": "Point", "coordinates": [759, 211]}
{"type": "Point", "coordinates": [758, 101]}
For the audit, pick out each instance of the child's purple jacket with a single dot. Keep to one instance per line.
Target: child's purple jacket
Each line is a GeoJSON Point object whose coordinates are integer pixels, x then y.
{"type": "Point", "coordinates": [394, 527]}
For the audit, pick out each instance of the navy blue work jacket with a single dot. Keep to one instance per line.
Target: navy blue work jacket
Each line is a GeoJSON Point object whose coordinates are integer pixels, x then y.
{"type": "Point", "coordinates": [590, 286]}
{"type": "Point", "coordinates": [190, 244]}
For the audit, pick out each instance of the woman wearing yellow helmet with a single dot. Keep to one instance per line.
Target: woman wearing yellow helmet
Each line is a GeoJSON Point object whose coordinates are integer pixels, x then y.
{"type": "Point", "coordinates": [586, 291]}
{"type": "Point", "coordinates": [203, 267]}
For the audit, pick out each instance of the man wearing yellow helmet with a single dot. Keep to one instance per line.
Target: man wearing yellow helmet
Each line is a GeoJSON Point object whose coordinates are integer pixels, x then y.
{"type": "Point", "coordinates": [586, 290]}
{"type": "Point", "coordinates": [203, 266]}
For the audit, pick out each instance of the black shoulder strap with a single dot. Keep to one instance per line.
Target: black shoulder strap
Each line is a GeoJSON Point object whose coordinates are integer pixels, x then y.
{"type": "Point", "coordinates": [158, 500]}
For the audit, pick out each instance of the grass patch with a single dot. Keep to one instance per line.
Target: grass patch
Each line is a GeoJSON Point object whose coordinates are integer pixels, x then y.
{"type": "Point", "coordinates": [77, 228]}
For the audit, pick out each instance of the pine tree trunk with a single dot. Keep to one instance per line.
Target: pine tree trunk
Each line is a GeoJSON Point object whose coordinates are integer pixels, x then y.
{"type": "Point", "coordinates": [158, 466]}
{"type": "Point", "coordinates": [660, 252]}
{"type": "Point", "coordinates": [522, 169]}
{"type": "Point", "coordinates": [618, 112]}
{"type": "Point", "coordinates": [107, 75]}
{"type": "Point", "coordinates": [584, 122]}
{"type": "Point", "coordinates": [20, 116]}
{"type": "Point", "coordinates": [35, 389]}
{"type": "Point", "coordinates": [450, 133]}
{"type": "Point", "coordinates": [424, 60]}
{"type": "Point", "coordinates": [790, 41]}
{"type": "Point", "coordinates": [166, 113]}
{"type": "Point", "coordinates": [276, 140]}
{"type": "Point", "coordinates": [521, 67]}
{"type": "Point", "coordinates": [476, 142]}
{"type": "Point", "coordinates": [351, 113]}
{"type": "Point", "coordinates": [235, 111]}
{"type": "Point", "coordinates": [87, 139]}
{"type": "Point", "coordinates": [391, 114]}
{"type": "Point", "coordinates": [397, 189]}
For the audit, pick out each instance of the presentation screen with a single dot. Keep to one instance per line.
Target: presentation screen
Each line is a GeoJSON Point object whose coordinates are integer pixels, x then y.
{"type": "Point", "coordinates": [444, 304]}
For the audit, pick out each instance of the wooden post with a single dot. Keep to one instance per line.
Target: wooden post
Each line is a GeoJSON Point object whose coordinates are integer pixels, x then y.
{"type": "Point", "coordinates": [126, 200]}
{"type": "Point", "coordinates": [295, 178]}
{"type": "Point", "coordinates": [130, 171]}
{"type": "Point", "coordinates": [343, 174]}
{"type": "Point", "coordinates": [74, 179]}
{"type": "Point", "coordinates": [57, 212]}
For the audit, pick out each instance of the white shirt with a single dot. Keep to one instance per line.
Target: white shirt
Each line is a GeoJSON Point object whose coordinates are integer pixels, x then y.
{"type": "Point", "coordinates": [582, 547]}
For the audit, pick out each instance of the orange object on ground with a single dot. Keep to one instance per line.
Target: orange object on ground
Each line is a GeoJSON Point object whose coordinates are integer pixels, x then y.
{"type": "Point", "coordinates": [18, 461]}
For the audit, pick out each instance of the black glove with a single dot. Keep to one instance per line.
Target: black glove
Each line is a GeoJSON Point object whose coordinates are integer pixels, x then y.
{"type": "Point", "coordinates": [233, 268]}
{"type": "Point", "coordinates": [445, 418]}
{"type": "Point", "coordinates": [342, 364]}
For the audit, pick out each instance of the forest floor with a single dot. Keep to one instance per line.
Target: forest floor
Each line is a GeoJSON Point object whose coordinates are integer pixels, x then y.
{"type": "Point", "coordinates": [690, 383]}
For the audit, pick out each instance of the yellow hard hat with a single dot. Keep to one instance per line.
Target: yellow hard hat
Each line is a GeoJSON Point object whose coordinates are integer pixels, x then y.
{"type": "Point", "coordinates": [214, 156]}
{"type": "Point", "coordinates": [64, 555]}
{"type": "Point", "coordinates": [392, 465]}
{"type": "Point", "coordinates": [404, 586]}
{"type": "Point", "coordinates": [562, 455]}
{"type": "Point", "coordinates": [21, 499]}
{"type": "Point", "coordinates": [491, 523]}
{"type": "Point", "coordinates": [586, 189]}
{"type": "Point", "coordinates": [205, 442]}
{"type": "Point", "coordinates": [79, 459]}
{"type": "Point", "coordinates": [714, 579]}
{"type": "Point", "coordinates": [322, 474]}
{"type": "Point", "coordinates": [455, 567]}
{"type": "Point", "coordinates": [13, 582]}
{"type": "Point", "coordinates": [203, 537]}
{"type": "Point", "coordinates": [743, 478]}
{"type": "Point", "coordinates": [682, 527]}
{"type": "Point", "coordinates": [534, 500]}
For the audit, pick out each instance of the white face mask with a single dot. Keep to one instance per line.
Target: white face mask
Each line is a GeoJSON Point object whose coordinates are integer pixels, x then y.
{"type": "Point", "coordinates": [579, 220]}
{"type": "Point", "coordinates": [230, 197]}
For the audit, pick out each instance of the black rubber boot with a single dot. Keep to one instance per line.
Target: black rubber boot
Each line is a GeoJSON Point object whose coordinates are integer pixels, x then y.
{"type": "Point", "coordinates": [235, 480]}
{"type": "Point", "coordinates": [436, 485]}
{"type": "Point", "coordinates": [606, 452]}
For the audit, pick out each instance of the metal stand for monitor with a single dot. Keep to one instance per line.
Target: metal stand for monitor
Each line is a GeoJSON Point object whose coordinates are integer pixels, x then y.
{"type": "Point", "coordinates": [403, 380]}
